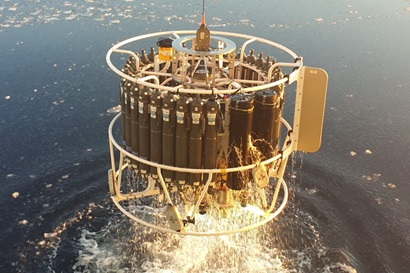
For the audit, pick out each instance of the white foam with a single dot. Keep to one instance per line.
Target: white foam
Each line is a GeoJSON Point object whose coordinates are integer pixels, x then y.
{"type": "Point", "coordinates": [182, 254]}
{"type": "Point", "coordinates": [93, 257]}
{"type": "Point", "coordinates": [118, 247]}
{"type": "Point", "coordinates": [340, 266]}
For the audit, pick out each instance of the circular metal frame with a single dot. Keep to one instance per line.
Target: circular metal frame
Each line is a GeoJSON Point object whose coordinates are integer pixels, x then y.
{"type": "Point", "coordinates": [230, 46]}
{"type": "Point", "coordinates": [250, 39]}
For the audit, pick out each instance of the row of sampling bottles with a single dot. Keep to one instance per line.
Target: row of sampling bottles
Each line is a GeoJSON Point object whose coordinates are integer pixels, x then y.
{"type": "Point", "coordinates": [200, 132]}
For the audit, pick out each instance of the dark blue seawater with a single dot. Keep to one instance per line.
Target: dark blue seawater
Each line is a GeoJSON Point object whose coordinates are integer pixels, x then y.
{"type": "Point", "coordinates": [350, 205]}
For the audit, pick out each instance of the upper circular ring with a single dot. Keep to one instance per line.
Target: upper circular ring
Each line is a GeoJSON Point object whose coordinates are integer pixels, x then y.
{"type": "Point", "coordinates": [178, 46]}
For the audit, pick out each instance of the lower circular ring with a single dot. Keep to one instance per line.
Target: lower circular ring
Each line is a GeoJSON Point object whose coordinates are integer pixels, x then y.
{"type": "Point", "coordinates": [269, 217]}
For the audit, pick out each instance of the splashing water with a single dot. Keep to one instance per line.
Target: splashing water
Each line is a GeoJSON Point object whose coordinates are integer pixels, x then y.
{"type": "Point", "coordinates": [149, 251]}
{"type": "Point", "coordinates": [293, 244]}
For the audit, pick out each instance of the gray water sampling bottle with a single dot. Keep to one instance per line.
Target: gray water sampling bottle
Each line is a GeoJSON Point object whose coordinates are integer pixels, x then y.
{"type": "Point", "coordinates": [134, 123]}
{"type": "Point", "coordinates": [168, 134]}
{"type": "Point", "coordinates": [241, 115]}
{"type": "Point", "coordinates": [181, 138]}
{"type": "Point", "coordinates": [144, 126]}
{"type": "Point", "coordinates": [197, 124]}
{"type": "Point", "coordinates": [212, 127]}
{"type": "Point", "coordinates": [155, 130]}
{"type": "Point", "coordinates": [265, 121]}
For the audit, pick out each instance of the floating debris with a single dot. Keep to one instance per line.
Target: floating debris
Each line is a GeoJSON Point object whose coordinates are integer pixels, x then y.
{"type": "Point", "coordinates": [391, 186]}
{"type": "Point", "coordinates": [7, 97]}
{"type": "Point", "coordinates": [15, 194]}
{"type": "Point", "coordinates": [367, 177]}
{"type": "Point", "coordinates": [368, 152]}
{"type": "Point", "coordinates": [49, 185]}
{"type": "Point", "coordinates": [23, 222]}
{"type": "Point", "coordinates": [279, 25]}
{"type": "Point", "coordinates": [353, 153]}
{"type": "Point", "coordinates": [65, 176]}
{"type": "Point", "coordinates": [16, 16]}
{"type": "Point", "coordinates": [376, 176]}
{"type": "Point", "coordinates": [379, 200]}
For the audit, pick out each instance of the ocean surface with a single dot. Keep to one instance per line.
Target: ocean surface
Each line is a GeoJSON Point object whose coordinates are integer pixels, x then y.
{"type": "Point", "coordinates": [349, 209]}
